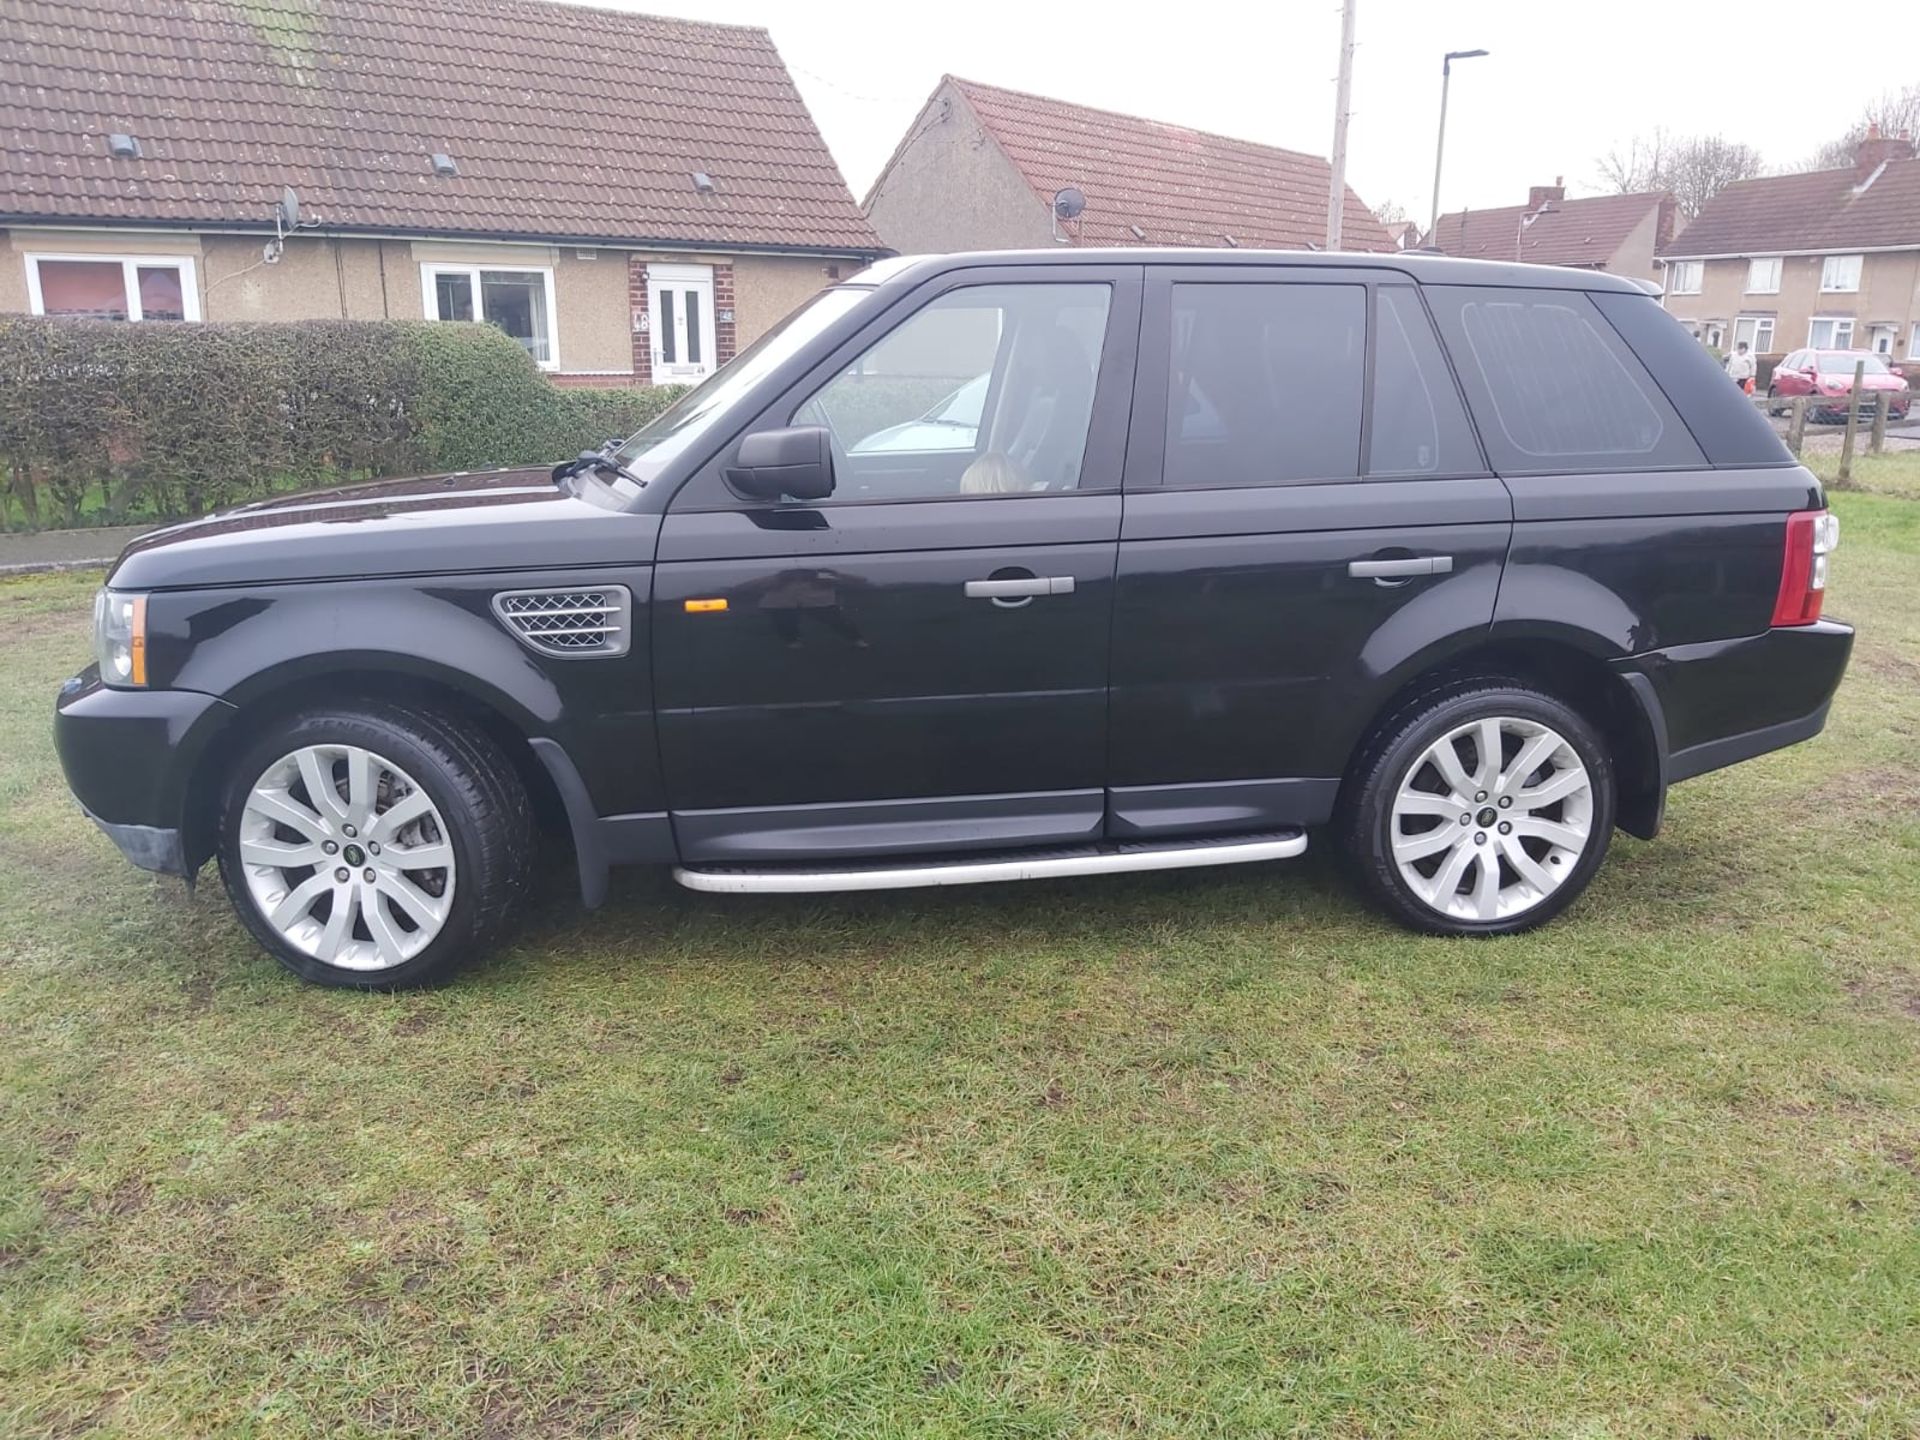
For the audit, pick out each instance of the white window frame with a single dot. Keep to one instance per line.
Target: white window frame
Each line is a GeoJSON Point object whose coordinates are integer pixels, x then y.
{"type": "Point", "coordinates": [1836, 321]}
{"type": "Point", "coordinates": [432, 270]}
{"type": "Point", "coordinates": [1759, 323]}
{"type": "Point", "coordinates": [1832, 284]}
{"type": "Point", "coordinates": [1913, 342]}
{"type": "Point", "coordinates": [1758, 260]}
{"type": "Point", "coordinates": [1695, 269]}
{"type": "Point", "coordinates": [130, 266]}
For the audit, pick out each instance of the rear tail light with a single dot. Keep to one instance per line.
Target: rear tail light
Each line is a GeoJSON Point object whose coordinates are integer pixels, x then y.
{"type": "Point", "coordinates": [1811, 538]}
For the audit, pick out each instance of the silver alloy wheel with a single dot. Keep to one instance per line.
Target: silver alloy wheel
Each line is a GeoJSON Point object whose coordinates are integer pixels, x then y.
{"type": "Point", "coordinates": [1492, 818]}
{"type": "Point", "coordinates": [347, 857]}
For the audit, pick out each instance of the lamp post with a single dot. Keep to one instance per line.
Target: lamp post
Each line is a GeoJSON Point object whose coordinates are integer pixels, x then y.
{"type": "Point", "coordinates": [1526, 224]}
{"type": "Point", "coordinates": [1440, 146]}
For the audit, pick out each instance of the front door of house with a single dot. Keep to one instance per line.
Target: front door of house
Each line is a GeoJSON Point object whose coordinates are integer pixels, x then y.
{"type": "Point", "coordinates": [680, 310]}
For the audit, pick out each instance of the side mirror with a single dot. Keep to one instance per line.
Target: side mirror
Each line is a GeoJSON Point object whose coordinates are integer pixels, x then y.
{"type": "Point", "coordinates": [794, 464]}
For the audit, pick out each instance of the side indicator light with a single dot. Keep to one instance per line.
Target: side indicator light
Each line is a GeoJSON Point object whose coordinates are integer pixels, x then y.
{"type": "Point", "coordinates": [705, 607]}
{"type": "Point", "coordinates": [137, 642]}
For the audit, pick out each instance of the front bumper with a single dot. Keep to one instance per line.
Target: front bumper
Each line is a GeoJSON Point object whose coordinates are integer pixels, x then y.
{"type": "Point", "coordinates": [129, 756]}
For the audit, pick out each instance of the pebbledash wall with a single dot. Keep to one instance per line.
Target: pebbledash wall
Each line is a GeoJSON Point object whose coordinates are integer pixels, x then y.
{"type": "Point", "coordinates": [600, 294]}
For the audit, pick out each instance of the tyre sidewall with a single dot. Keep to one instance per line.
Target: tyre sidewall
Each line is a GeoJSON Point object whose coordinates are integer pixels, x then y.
{"type": "Point", "coordinates": [1370, 828]}
{"type": "Point", "coordinates": [392, 740]}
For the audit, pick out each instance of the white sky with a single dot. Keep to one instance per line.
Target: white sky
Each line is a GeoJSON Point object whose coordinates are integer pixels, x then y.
{"type": "Point", "coordinates": [1564, 82]}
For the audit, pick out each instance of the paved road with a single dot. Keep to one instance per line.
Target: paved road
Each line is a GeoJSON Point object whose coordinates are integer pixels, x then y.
{"type": "Point", "coordinates": [64, 549]}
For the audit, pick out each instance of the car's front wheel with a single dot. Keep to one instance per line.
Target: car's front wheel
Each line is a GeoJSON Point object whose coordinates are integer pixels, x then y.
{"type": "Point", "coordinates": [1481, 807]}
{"type": "Point", "coordinates": [377, 847]}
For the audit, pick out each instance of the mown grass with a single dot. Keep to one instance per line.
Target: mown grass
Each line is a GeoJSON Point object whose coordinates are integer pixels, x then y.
{"type": "Point", "coordinates": [1197, 1155]}
{"type": "Point", "coordinates": [1894, 472]}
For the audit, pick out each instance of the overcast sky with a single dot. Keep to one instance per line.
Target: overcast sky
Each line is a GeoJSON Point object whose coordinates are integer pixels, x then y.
{"type": "Point", "coordinates": [1564, 82]}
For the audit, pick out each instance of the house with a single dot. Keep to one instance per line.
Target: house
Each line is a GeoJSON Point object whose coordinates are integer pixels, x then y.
{"type": "Point", "coordinates": [1616, 233]}
{"type": "Point", "coordinates": [1828, 258]}
{"type": "Point", "coordinates": [629, 197]}
{"type": "Point", "coordinates": [980, 167]}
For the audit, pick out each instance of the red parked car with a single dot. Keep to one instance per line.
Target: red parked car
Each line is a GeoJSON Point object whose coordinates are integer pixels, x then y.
{"type": "Point", "coordinates": [1828, 375]}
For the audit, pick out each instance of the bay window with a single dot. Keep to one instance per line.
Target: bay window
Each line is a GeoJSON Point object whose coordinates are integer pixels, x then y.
{"type": "Point", "coordinates": [113, 287]}
{"type": "Point", "coordinates": [515, 298]}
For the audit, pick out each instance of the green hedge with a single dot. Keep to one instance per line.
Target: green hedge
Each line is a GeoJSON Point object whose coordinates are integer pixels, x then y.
{"type": "Point", "coordinates": [111, 423]}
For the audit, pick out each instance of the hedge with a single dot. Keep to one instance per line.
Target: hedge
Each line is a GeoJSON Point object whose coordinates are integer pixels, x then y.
{"type": "Point", "coordinates": [108, 423]}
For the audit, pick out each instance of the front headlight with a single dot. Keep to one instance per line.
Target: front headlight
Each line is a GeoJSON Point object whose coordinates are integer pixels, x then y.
{"type": "Point", "coordinates": [120, 637]}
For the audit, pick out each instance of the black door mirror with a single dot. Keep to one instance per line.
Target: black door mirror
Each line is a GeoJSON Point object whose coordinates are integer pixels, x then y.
{"type": "Point", "coordinates": [794, 464]}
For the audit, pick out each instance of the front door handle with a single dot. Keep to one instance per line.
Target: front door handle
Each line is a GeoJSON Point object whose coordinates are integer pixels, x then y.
{"type": "Point", "coordinates": [1401, 569]}
{"type": "Point", "coordinates": [1019, 590]}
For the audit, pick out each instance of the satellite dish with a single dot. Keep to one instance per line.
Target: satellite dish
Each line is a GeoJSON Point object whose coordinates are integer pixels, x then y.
{"type": "Point", "coordinates": [1068, 203]}
{"type": "Point", "coordinates": [289, 213]}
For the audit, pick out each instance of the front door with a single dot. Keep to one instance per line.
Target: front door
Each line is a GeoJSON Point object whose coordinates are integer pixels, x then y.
{"type": "Point", "coordinates": [680, 314]}
{"type": "Point", "coordinates": [920, 662]}
{"type": "Point", "coordinates": [1308, 514]}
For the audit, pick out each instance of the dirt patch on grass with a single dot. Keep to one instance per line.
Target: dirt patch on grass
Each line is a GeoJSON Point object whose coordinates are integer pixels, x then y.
{"type": "Point", "coordinates": [1887, 664]}
{"type": "Point", "coordinates": [1880, 790]}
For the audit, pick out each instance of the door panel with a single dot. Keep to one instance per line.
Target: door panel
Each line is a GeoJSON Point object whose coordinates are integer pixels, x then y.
{"type": "Point", "coordinates": [680, 313]}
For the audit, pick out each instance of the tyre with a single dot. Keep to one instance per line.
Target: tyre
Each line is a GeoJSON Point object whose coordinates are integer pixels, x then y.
{"type": "Point", "coordinates": [1774, 407]}
{"type": "Point", "coordinates": [1480, 807]}
{"type": "Point", "coordinates": [378, 847]}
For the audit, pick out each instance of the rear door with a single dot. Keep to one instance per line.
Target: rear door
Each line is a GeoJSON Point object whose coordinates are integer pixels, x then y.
{"type": "Point", "coordinates": [1308, 520]}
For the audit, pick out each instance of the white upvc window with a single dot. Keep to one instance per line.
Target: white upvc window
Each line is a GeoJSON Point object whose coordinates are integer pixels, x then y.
{"type": "Point", "coordinates": [1763, 275]}
{"type": "Point", "coordinates": [516, 298]}
{"type": "Point", "coordinates": [1830, 332]}
{"type": "Point", "coordinates": [113, 287]}
{"type": "Point", "coordinates": [1840, 274]}
{"type": "Point", "coordinates": [1757, 331]}
{"type": "Point", "coordinates": [1684, 277]}
{"type": "Point", "coordinates": [1913, 342]}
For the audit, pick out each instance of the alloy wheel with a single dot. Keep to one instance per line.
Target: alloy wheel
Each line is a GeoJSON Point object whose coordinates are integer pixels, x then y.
{"type": "Point", "coordinates": [346, 857]}
{"type": "Point", "coordinates": [1491, 819]}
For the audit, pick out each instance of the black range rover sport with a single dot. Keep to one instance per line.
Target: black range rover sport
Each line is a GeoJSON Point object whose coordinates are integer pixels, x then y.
{"type": "Point", "coordinates": [993, 567]}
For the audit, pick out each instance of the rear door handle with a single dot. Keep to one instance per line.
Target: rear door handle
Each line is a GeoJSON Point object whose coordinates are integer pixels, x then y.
{"type": "Point", "coordinates": [1401, 569]}
{"type": "Point", "coordinates": [1023, 589]}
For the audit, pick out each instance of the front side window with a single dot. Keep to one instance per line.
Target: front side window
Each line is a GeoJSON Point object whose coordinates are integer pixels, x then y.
{"type": "Point", "coordinates": [516, 300]}
{"type": "Point", "coordinates": [1684, 277]}
{"type": "Point", "coordinates": [1763, 275]}
{"type": "Point", "coordinates": [1419, 424]}
{"type": "Point", "coordinates": [1555, 388]}
{"type": "Point", "coordinates": [1265, 383]}
{"type": "Point", "coordinates": [1840, 273]}
{"type": "Point", "coordinates": [112, 287]}
{"type": "Point", "coordinates": [1830, 332]}
{"type": "Point", "coordinates": [988, 390]}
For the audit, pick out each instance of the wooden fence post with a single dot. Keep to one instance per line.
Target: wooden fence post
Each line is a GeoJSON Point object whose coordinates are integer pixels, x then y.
{"type": "Point", "coordinates": [1882, 404]}
{"type": "Point", "coordinates": [1845, 475]}
{"type": "Point", "coordinates": [1797, 424]}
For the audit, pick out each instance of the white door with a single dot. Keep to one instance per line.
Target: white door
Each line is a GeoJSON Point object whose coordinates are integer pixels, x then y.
{"type": "Point", "coordinates": [680, 314]}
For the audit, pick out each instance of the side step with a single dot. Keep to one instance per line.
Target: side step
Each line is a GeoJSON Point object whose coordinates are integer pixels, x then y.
{"type": "Point", "coordinates": [1107, 859]}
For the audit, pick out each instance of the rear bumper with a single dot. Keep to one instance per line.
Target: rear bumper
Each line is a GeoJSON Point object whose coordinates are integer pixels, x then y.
{"type": "Point", "coordinates": [128, 756]}
{"type": "Point", "coordinates": [1724, 701]}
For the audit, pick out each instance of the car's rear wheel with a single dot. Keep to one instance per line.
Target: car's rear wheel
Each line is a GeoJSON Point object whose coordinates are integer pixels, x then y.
{"type": "Point", "coordinates": [378, 847]}
{"type": "Point", "coordinates": [1482, 807]}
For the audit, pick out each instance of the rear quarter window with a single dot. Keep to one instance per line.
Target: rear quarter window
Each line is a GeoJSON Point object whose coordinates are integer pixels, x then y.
{"type": "Point", "coordinates": [1553, 386]}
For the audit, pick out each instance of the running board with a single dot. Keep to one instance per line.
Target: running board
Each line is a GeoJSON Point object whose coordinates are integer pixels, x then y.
{"type": "Point", "coordinates": [1109, 859]}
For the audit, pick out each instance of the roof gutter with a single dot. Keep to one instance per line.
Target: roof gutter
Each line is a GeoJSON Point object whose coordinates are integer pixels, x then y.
{"type": "Point", "coordinates": [490, 237]}
{"type": "Point", "coordinates": [1763, 253]}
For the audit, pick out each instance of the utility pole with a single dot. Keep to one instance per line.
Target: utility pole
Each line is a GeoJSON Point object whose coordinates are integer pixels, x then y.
{"type": "Point", "coordinates": [1440, 145]}
{"type": "Point", "coordinates": [1342, 98]}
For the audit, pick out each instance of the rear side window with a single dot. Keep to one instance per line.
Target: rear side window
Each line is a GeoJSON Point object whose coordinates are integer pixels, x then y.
{"type": "Point", "coordinates": [1419, 423]}
{"type": "Point", "coordinates": [1553, 387]}
{"type": "Point", "coordinates": [1266, 383]}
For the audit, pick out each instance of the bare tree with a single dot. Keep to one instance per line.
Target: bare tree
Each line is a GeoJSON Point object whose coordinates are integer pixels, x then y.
{"type": "Point", "coordinates": [1390, 212]}
{"type": "Point", "coordinates": [1895, 112]}
{"type": "Point", "coordinates": [1694, 167]}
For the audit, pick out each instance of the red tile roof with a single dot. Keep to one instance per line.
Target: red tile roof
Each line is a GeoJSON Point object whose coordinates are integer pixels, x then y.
{"type": "Point", "coordinates": [1814, 211]}
{"type": "Point", "coordinates": [1583, 233]}
{"type": "Point", "coordinates": [565, 122]}
{"type": "Point", "coordinates": [1179, 186]}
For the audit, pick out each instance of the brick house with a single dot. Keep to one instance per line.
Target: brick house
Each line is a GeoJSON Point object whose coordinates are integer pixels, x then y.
{"type": "Point", "coordinates": [1828, 259]}
{"type": "Point", "coordinates": [629, 197]}
{"type": "Point", "coordinates": [979, 168]}
{"type": "Point", "coordinates": [1615, 233]}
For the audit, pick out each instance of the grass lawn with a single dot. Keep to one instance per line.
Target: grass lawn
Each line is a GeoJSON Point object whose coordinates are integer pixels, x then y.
{"type": "Point", "coordinates": [1191, 1155]}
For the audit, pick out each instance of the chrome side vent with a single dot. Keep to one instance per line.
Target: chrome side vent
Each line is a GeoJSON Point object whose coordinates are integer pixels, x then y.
{"type": "Point", "coordinates": [585, 624]}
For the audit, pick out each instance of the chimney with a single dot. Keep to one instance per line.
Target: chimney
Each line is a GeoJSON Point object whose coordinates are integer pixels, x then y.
{"type": "Point", "coordinates": [1875, 149]}
{"type": "Point", "coordinates": [1538, 195]}
{"type": "Point", "coordinates": [1665, 225]}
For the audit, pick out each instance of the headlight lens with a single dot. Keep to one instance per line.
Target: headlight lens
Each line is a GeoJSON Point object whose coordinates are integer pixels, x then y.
{"type": "Point", "coordinates": [120, 637]}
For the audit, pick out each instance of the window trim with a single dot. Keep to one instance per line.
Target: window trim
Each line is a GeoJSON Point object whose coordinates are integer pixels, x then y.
{"type": "Point", "coordinates": [1756, 321]}
{"type": "Point", "coordinates": [1676, 268]}
{"type": "Point", "coordinates": [432, 270]}
{"type": "Point", "coordinates": [130, 265]}
{"type": "Point", "coordinates": [1778, 263]}
{"type": "Point", "coordinates": [1859, 274]}
{"type": "Point", "coordinates": [1833, 342]}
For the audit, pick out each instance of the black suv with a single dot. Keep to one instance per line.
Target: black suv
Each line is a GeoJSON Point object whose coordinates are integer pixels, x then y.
{"type": "Point", "coordinates": [993, 567]}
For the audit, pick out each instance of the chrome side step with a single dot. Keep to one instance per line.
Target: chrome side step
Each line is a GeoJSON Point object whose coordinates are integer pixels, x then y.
{"type": "Point", "coordinates": [1107, 859]}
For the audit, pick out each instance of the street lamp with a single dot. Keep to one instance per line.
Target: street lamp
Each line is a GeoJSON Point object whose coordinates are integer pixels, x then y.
{"type": "Point", "coordinates": [1440, 147]}
{"type": "Point", "coordinates": [1526, 224]}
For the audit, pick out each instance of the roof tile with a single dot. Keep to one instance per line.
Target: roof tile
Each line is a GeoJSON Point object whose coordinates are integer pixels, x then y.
{"type": "Point", "coordinates": [1583, 233]}
{"type": "Point", "coordinates": [1817, 210]}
